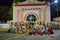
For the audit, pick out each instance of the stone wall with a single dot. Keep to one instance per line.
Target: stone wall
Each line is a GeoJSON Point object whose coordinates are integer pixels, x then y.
{"type": "Point", "coordinates": [4, 25]}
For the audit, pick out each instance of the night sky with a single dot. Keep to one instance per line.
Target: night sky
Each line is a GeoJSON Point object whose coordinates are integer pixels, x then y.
{"type": "Point", "coordinates": [4, 9]}
{"type": "Point", "coordinates": [6, 2]}
{"type": "Point", "coordinates": [53, 7]}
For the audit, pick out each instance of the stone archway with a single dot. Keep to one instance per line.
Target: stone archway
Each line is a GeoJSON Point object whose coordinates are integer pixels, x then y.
{"type": "Point", "coordinates": [31, 17]}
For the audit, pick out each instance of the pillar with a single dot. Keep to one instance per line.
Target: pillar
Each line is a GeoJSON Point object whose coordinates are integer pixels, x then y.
{"type": "Point", "coordinates": [40, 17]}
{"type": "Point", "coordinates": [22, 15]}
{"type": "Point", "coordinates": [18, 15]}
{"type": "Point", "coordinates": [44, 14]}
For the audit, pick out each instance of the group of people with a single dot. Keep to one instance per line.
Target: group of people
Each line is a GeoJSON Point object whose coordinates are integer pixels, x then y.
{"type": "Point", "coordinates": [41, 28]}
{"type": "Point", "coordinates": [33, 28]}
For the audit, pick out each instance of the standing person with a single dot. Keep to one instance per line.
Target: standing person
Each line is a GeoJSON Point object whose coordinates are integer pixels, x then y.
{"type": "Point", "coordinates": [17, 27]}
{"type": "Point", "coordinates": [23, 27]}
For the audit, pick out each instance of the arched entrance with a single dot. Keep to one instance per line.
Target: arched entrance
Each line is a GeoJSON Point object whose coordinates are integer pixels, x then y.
{"type": "Point", "coordinates": [31, 17]}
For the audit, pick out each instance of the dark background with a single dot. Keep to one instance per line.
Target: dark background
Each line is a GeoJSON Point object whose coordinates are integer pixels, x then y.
{"type": "Point", "coordinates": [54, 8]}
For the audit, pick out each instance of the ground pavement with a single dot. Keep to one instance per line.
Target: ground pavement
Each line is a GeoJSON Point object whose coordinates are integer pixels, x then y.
{"type": "Point", "coordinates": [10, 36]}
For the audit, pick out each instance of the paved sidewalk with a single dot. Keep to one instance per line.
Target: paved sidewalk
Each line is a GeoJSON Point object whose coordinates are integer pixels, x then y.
{"type": "Point", "coordinates": [10, 36]}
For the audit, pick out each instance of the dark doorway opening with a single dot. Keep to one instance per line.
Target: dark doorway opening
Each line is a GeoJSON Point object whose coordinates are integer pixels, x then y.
{"type": "Point", "coordinates": [31, 17]}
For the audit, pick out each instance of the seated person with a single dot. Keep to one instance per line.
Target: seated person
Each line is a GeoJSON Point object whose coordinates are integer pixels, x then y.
{"type": "Point", "coordinates": [49, 30]}
{"type": "Point", "coordinates": [42, 30]}
{"type": "Point", "coordinates": [32, 31]}
{"type": "Point", "coordinates": [38, 31]}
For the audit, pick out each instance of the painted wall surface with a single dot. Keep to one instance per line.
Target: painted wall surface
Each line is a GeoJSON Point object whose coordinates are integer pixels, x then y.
{"type": "Point", "coordinates": [19, 12]}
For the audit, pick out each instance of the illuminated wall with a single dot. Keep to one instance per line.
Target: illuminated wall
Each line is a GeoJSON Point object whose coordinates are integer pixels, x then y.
{"type": "Point", "coordinates": [21, 11]}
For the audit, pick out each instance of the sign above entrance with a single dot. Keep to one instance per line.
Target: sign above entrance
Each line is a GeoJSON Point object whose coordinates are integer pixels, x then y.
{"type": "Point", "coordinates": [30, 9]}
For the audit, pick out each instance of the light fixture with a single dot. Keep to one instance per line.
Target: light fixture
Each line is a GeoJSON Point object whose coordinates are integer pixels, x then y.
{"type": "Point", "coordinates": [56, 1]}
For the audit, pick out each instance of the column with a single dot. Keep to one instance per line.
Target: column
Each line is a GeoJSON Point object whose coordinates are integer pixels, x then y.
{"type": "Point", "coordinates": [22, 15]}
{"type": "Point", "coordinates": [18, 15]}
{"type": "Point", "coordinates": [40, 17]}
{"type": "Point", "coordinates": [44, 14]}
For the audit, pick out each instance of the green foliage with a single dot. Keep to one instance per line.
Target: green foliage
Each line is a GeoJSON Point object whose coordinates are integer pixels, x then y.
{"type": "Point", "coordinates": [59, 8]}
{"type": "Point", "coordinates": [3, 12]}
{"type": "Point", "coordinates": [22, 0]}
{"type": "Point", "coordinates": [10, 14]}
{"type": "Point", "coordinates": [7, 12]}
{"type": "Point", "coordinates": [16, 1]}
